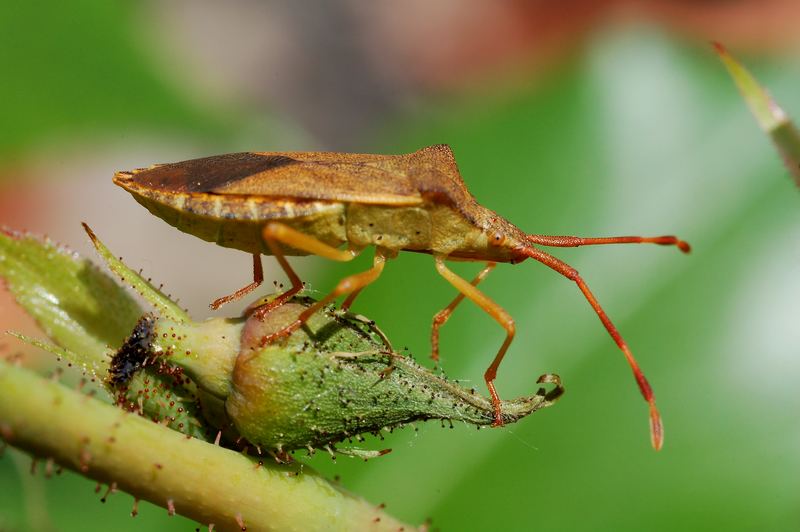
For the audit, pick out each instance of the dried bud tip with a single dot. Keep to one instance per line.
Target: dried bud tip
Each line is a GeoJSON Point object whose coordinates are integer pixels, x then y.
{"type": "Point", "coordinates": [89, 232]}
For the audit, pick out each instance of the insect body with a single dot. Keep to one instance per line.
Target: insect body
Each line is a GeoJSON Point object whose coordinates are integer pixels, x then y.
{"type": "Point", "coordinates": [299, 203]}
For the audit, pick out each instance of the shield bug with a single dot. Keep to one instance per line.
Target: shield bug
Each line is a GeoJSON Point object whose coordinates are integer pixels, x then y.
{"type": "Point", "coordinates": [300, 203]}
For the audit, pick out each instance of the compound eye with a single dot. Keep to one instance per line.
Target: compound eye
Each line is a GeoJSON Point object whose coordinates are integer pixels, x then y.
{"type": "Point", "coordinates": [498, 239]}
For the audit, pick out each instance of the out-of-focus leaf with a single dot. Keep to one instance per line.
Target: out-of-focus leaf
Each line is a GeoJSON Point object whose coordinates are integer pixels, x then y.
{"type": "Point", "coordinates": [86, 77]}
{"type": "Point", "coordinates": [76, 305]}
{"type": "Point", "coordinates": [772, 119]}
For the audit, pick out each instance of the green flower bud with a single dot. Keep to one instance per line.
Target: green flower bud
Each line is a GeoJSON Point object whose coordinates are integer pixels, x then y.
{"type": "Point", "coordinates": [334, 379]}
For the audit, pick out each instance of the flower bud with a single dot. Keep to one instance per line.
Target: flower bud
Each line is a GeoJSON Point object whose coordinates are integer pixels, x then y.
{"type": "Point", "coordinates": [333, 379]}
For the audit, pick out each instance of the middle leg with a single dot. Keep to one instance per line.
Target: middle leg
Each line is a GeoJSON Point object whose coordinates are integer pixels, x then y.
{"type": "Point", "coordinates": [348, 285]}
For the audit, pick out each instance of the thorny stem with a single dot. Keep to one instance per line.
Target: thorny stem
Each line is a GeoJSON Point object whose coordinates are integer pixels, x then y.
{"type": "Point", "coordinates": [154, 463]}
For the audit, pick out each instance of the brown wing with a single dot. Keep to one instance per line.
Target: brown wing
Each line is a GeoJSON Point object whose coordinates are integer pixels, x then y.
{"type": "Point", "coordinates": [374, 179]}
{"type": "Point", "coordinates": [428, 174]}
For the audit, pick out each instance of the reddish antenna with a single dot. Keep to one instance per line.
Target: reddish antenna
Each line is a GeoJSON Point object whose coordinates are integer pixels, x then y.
{"type": "Point", "coordinates": [656, 427]}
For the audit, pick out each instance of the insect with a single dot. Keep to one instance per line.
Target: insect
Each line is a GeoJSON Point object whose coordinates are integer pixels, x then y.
{"type": "Point", "coordinates": [300, 203]}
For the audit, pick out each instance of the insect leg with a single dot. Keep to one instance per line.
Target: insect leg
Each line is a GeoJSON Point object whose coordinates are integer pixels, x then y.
{"type": "Point", "coordinates": [352, 297]}
{"type": "Point", "coordinates": [276, 233]}
{"type": "Point", "coordinates": [349, 301]}
{"type": "Point", "coordinates": [348, 285]}
{"type": "Point", "coordinates": [258, 278]}
{"type": "Point", "coordinates": [495, 311]}
{"type": "Point", "coordinates": [656, 428]}
{"type": "Point", "coordinates": [443, 315]}
{"type": "Point", "coordinates": [576, 241]}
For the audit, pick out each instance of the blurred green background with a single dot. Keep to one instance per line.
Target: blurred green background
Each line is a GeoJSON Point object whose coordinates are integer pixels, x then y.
{"type": "Point", "coordinates": [588, 118]}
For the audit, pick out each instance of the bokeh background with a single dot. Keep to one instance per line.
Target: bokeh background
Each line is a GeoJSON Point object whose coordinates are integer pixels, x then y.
{"type": "Point", "coordinates": [572, 117]}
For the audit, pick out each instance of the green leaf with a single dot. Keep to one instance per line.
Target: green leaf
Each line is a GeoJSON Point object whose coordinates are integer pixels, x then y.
{"type": "Point", "coordinates": [78, 306]}
{"type": "Point", "coordinates": [770, 116]}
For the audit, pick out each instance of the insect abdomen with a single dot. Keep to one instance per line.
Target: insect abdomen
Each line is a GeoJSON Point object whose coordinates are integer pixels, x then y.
{"type": "Point", "coordinates": [237, 222]}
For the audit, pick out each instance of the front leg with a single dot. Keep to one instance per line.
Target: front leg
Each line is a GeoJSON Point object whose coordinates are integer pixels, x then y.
{"type": "Point", "coordinates": [443, 315]}
{"type": "Point", "coordinates": [495, 311]}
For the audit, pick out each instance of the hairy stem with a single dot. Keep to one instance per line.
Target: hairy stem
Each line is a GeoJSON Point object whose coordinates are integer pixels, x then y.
{"type": "Point", "coordinates": [154, 463]}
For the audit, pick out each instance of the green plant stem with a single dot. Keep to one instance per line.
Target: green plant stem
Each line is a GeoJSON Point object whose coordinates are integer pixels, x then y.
{"type": "Point", "coordinates": [154, 463]}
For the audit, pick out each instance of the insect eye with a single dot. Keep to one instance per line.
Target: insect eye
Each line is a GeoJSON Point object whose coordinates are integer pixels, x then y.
{"type": "Point", "coordinates": [498, 239]}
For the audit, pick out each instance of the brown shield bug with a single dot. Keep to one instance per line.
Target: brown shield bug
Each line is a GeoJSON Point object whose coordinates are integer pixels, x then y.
{"type": "Point", "coordinates": [300, 203]}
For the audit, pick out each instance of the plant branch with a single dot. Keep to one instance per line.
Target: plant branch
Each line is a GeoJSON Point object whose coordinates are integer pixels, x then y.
{"type": "Point", "coordinates": [154, 463]}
